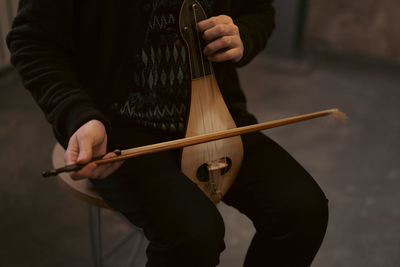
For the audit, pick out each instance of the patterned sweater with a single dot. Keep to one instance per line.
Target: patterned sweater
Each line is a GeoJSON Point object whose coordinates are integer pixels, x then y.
{"type": "Point", "coordinates": [159, 97]}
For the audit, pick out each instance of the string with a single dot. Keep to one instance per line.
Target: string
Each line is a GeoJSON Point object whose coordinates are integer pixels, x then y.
{"type": "Point", "coordinates": [214, 144]}
{"type": "Point", "coordinates": [203, 69]}
{"type": "Point", "coordinates": [209, 82]}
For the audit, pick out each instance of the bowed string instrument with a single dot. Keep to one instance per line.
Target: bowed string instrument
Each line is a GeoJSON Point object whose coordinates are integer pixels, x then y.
{"type": "Point", "coordinates": [212, 150]}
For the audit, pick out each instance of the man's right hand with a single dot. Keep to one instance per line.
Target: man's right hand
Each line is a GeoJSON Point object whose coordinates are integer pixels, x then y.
{"type": "Point", "coordinates": [90, 140]}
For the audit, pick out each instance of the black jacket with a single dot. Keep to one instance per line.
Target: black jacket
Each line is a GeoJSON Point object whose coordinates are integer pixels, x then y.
{"type": "Point", "coordinates": [76, 56]}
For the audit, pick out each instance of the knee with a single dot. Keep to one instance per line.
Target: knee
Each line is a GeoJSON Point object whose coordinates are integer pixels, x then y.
{"type": "Point", "coordinates": [310, 214]}
{"type": "Point", "coordinates": [204, 237]}
{"type": "Point", "coordinates": [197, 235]}
{"type": "Point", "coordinates": [314, 207]}
{"type": "Point", "coordinates": [304, 212]}
{"type": "Point", "coordinates": [311, 221]}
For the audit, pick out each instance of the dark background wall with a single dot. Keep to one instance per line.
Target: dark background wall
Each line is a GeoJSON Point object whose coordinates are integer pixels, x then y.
{"type": "Point", "coordinates": [289, 24]}
{"type": "Point", "coordinates": [8, 9]}
{"type": "Point", "coordinates": [366, 28]}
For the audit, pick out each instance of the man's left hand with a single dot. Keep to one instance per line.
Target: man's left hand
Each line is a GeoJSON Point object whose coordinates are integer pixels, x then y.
{"type": "Point", "coordinates": [223, 39]}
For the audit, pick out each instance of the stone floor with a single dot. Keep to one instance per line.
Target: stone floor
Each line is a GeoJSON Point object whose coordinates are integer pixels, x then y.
{"type": "Point", "coordinates": [356, 164]}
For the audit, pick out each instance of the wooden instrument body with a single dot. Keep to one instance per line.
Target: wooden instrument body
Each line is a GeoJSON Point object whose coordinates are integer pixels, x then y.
{"type": "Point", "coordinates": [219, 155]}
{"type": "Point", "coordinates": [221, 159]}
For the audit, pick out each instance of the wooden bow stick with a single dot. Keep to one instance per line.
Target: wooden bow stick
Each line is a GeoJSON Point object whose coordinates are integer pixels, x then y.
{"type": "Point", "coordinates": [189, 141]}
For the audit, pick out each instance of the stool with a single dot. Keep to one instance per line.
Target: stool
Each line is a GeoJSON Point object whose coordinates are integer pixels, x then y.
{"type": "Point", "coordinates": [84, 190]}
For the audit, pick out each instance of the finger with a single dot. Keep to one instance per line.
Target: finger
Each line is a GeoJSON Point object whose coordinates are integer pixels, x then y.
{"type": "Point", "coordinates": [85, 172]}
{"type": "Point", "coordinates": [105, 170]}
{"type": "Point", "coordinates": [212, 22]}
{"type": "Point", "coordinates": [93, 170]}
{"type": "Point", "coordinates": [219, 31]}
{"type": "Point", "coordinates": [221, 43]}
{"type": "Point", "coordinates": [96, 171]}
{"type": "Point", "coordinates": [85, 150]}
{"type": "Point", "coordinates": [71, 154]}
{"type": "Point", "coordinates": [229, 55]}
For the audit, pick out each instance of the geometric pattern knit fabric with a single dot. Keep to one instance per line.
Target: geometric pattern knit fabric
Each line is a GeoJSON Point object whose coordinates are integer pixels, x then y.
{"type": "Point", "coordinates": [160, 95]}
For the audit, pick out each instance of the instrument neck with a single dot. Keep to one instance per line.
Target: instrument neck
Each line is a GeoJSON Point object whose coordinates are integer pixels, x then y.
{"type": "Point", "coordinates": [192, 13]}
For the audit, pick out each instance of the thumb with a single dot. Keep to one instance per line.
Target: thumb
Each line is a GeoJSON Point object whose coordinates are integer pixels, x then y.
{"type": "Point", "coordinates": [85, 150]}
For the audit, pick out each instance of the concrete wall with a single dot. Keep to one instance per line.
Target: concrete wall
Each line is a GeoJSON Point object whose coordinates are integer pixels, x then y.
{"type": "Point", "coordinates": [8, 9]}
{"type": "Point", "coordinates": [284, 40]}
{"type": "Point", "coordinates": [368, 27]}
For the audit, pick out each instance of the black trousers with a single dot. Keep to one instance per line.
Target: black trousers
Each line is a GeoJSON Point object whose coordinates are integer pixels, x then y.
{"type": "Point", "coordinates": [285, 204]}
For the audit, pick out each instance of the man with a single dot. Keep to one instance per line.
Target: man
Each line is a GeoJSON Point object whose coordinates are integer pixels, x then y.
{"type": "Point", "coordinates": [114, 74]}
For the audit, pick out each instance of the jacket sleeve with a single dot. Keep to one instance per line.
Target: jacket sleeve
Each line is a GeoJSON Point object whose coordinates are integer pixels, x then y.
{"type": "Point", "coordinates": [256, 21]}
{"type": "Point", "coordinates": [41, 46]}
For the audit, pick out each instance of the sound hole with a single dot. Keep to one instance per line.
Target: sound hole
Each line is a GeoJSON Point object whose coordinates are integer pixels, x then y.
{"type": "Point", "coordinates": [202, 173]}
{"type": "Point", "coordinates": [228, 167]}
{"type": "Point", "coordinates": [223, 165]}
